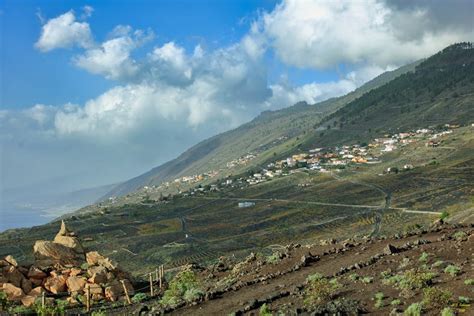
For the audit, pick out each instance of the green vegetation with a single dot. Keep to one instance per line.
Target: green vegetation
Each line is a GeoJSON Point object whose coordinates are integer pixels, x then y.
{"type": "Point", "coordinates": [319, 290]}
{"type": "Point", "coordinates": [469, 282]}
{"type": "Point", "coordinates": [184, 286]}
{"type": "Point", "coordinates": [139, 297]}
{"type": "Point", "coordinates": [447, 311]}
{"type": "Point", "coordinates": [265, 311]}
{"type": "Point", "coordinates": [464, 300]}
{"type": "Point", "coordinates": [413, 310]}
{"type": "Point", "coordinates": [379, 297]}
{"type": "Point", "coordinates": [436, 297]}
{"type": "Point", "coordinates": [460, 235]}
{"type": "Point", "coordinates": [452, 270]}
{"type": "Point", "coordinates": [424, 257]}
{"type": "Point", "coordinates": [396, 302]}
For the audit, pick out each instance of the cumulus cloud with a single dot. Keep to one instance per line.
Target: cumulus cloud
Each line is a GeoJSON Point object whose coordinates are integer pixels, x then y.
{"type": "Point", "coordinates": [325, 33]}
{"type": "Point", "coordinates": [112, 58]}
{"type": "Point", "coordinates": [171, 97]}
{"type": "Point", "coordinates": [64, 32]}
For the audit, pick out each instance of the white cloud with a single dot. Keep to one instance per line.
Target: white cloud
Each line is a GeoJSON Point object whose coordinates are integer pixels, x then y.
{"type": "Point", "coordinates": [325, 33]}
{"type": "Point", "coordinates": [64, 32]}
{"type": "Point", "coordinates": [112, 58]}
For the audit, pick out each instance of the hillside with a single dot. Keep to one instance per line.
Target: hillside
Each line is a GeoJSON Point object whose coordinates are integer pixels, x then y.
{"type": "Point", "coordinates": [258, 136]}
{"type": "Point", "coordinates": [379, 202]}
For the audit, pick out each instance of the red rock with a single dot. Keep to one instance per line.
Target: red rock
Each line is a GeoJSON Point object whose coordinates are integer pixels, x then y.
{"type": "Point", "coordinates": [98, 274]}
{"type": "Point", "coordinates": [28, 300]}
{"type": "Point", "coordinates": [36, 273]}
{"type": "Point", "coordinates": [75, 272]}
{"type": "Point", "coordinates": [114, 291]}
{"type": "Point", "coordinates": [13, 292]}
{"type": "Point", "coordinates": [14, 276]}
{"type": "Point", "coordinates": [55, 284]}
{"type": "Point", "coordinates": [11, 260]}
{"type": "Point", "coordinates": [26, 285]}
{"type": "Point", "coordinates": [75, 284]}
{"type": "Point", "coordinates": [37, 291]}
{"type": "Point", "coordinates": [94, 258]}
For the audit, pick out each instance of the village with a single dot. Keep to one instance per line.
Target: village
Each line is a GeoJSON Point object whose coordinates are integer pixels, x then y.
{"type": "Point", "coordinates": [321, 160]}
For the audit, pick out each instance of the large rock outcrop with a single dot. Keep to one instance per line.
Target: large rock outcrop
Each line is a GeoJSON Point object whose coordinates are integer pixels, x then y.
{"type": "Point", "coordinates": [64, 251]}
{"type": "Point", "coordinates": [63, 267]}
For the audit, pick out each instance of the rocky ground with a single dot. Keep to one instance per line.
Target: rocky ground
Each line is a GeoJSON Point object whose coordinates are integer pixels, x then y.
{"type": "Point", "coordinates": [60, 278]}
{"type": "Point", "coordinates": [423, 271]}
{"type": "Point", "coordinates": [376, 276]}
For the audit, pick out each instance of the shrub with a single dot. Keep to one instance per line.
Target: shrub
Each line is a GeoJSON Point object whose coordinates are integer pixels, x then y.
{"type": "Point", "coordinates": [437, 264]}
{"type": "Point", "coordinates": [415, 279]}
{"type": "Point", "coordinates": [464, 300]}
{"type": "Point", "coordinates": [395, 302]}
{"type": "Point", "coordinates": [424, 257]}
{"type": "Point", "coordinates": [469, 282]}
{"type": "Point", "coordinates": [264, 311]}
{"type": "Point", "coordinates": [460, 235]}
{"type": "Point", "coordinates": [447, 311]}
{"type": "Point", "coordinates": [452, 270]}
{"type": "Point", "coordinates": [436, 297]}
{"type": "Point", "coordinates": [139, 297]}
{"type": "Point", "coordinates": [3, 300]}
{"type": "Point", "coordinates": [379, 299]}
{"type": "Point", "coordinates": [443, 215]}
{"type": "Point", "coordinates": [183, 283]}
{"type": "Point", "coordinates": [354, 277]}
{"type": "Point", "coordinates": [319, 291]}
{"type": "Point", "coordinates": [274, 258]}
{"type": "Point", "coordinates": [367, 279]}
{"type": "Point", "coordinates": [192, 294]}
{"type": "Point", "coordinates": [413, 310]}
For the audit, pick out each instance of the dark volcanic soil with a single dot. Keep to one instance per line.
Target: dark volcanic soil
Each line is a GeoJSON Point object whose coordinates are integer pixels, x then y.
{"type": "Point", "coordinates": [244, 287]}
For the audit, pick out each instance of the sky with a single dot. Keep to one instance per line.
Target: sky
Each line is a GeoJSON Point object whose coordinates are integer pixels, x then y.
{"type": "Point", "coordinates": [96, 92]}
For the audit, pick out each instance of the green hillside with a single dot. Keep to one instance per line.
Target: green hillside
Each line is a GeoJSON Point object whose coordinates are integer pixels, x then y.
{"type": "Point", "coordinates": [357, 187]}
{"type": "Point", "coordinates": [257, 136]}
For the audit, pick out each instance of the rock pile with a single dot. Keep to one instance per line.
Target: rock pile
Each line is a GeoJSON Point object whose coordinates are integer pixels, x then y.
{"type": "Point", "coordinates": [63, 268]}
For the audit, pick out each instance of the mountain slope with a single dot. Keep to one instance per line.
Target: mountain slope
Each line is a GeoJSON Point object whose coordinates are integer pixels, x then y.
{"type": "Point", "coordinates": [260, 133]}
{"type": "Point", "coordinates": [439, 91]}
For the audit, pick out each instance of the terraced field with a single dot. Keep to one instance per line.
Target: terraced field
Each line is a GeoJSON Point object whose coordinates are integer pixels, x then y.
{"type": "Point", "coordinates": [357, 201]}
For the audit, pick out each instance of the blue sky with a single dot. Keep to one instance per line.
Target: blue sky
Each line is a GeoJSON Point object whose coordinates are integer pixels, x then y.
{"type": "Point", "coordinates": [211, 23]}
{"type": "Point", "coordinates": [96, 92]}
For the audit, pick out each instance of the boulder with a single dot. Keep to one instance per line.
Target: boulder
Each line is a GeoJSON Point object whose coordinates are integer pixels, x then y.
{"type": "Point", "coordinates": [28, 300]}
{"type": "Point", "coordinates": [75, 284]}
{"type": "Point", "coordinates": [13, 276]}
{"type": "Point", "coordinates": [94, 258]}
{"type": "Point", "coordinates": [37, 291]}
{"type": "Point", "coordinates": [11, 260]}
{"type": "Point", "coordinates": [13, 292]}
{"type": "Point", "coordinates": [48, 253]}
{"type": "Point", "coordinates": [98, 274]}
{"type": "Point", "coordinates": [114, 291]}
{"type": "Point", "coordinates": [55, 284]}
{"type": "Point", "coordinates": [36, 273]}
{"type": "Point", "coordinates": [96, 292]}
{"type": "Point", "coordinates": [66, 238]}
{"type": "Point", "coordinates": [390, 249]}
{"type": "Point", "coordinates": [26, 285]}
{"type": "Point", "coordinates": [75, 272]}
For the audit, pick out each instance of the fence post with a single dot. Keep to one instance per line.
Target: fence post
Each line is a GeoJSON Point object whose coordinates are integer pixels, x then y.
{"type": "Point", "coordinates": [151, 284]}
{"type": "Point", "coordinates": [43, 299]}
{"type": "Point", "coordinates": [88, 298]}
{"type": "Point", "coordinates": [126, 292]}
{"type": "Point", "coordinates": [161, 278]}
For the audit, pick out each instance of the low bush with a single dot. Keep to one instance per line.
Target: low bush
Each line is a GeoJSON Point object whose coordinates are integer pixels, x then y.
{"type": "Point", "coordinates": [184, 286]}
{"type": "Point", "coordinates": [436, 297]}
{"type": "Point", "coordinates": [139, 297]}
{"type": "Point", "coordinates": [469, 282]}
{"type": "Point", "coordinates": [414, 309]}
{"type": "Point", "coordinates": [452, 270]}
{"type": "Point", "coordinates": [264, 311]}
{"type": "Point", "coordinates": [464, 300]}
{"type": "Point", "coordinates": [447, 311]}
{"type": "Point", "coordinates": [319, 291]}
